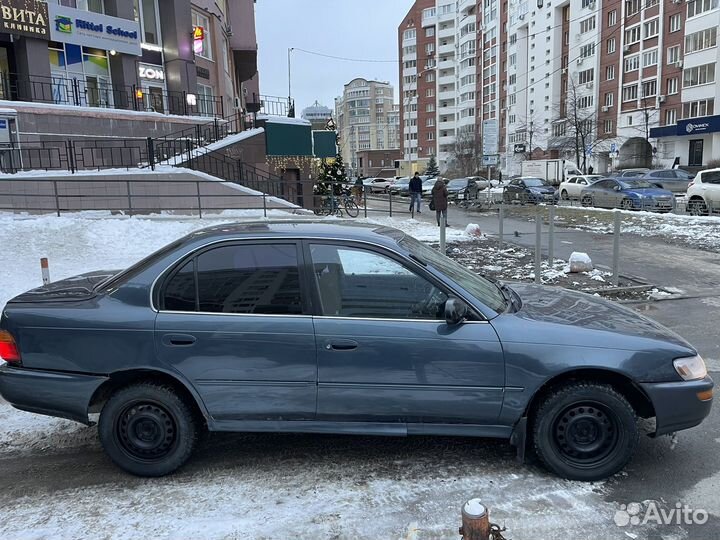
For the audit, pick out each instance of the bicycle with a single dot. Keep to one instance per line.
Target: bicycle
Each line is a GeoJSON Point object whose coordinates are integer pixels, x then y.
{"type": "Point", "coordinates": [332, 204]}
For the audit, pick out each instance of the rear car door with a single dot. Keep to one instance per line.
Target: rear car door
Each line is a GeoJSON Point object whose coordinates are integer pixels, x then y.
{"type": "Point", "coordinates": [235, 321]}
{"type": "Point", "coordinates": [385, 352]}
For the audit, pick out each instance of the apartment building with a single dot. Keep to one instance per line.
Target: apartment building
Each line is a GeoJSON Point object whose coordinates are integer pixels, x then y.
{"type": "Point", "coordinates": [591, 81]}
{"type": "Point", "coordinates": [366, 119]}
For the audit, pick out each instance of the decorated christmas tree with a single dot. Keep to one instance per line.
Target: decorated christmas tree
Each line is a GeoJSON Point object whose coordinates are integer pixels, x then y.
{"type": "Point", "coordinates": [432, 167]}
{"type": "Point", "coordinates": [332, 173]}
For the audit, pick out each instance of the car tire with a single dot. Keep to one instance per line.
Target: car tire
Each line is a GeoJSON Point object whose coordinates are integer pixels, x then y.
{"type": "Point", "coordinates": [147, 429]}
{"type": "Point", "coordinates": [585, 431]}
{"type": "Point", "coordinates": [587, 201]}
{"type": "Point", "coordinates": [627, 204]}
{"type": "Point", "coordinates": [697, 207]}
{"type": "Point", "coordinates": [564, 195]}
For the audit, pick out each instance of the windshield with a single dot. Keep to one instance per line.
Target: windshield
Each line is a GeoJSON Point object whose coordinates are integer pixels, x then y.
{"type": "Point", "coordinates": [402, 181]}
{"type": "Point", "coordinates": [482, 289]}
{"type": "Point", "coordinates": [534, 182]}
{"type": "Point", "coordinates": [637, 184]}
{"type": "Point", "coordinates": [459, 182]}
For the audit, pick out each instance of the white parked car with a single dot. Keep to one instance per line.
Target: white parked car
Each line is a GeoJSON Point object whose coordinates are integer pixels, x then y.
{"type": "Point", "coordinates": [703, 194]}
{"type": "Point", "coordinates": [573, 185]}
{"type": "Point", "coordinates": [378, 185]}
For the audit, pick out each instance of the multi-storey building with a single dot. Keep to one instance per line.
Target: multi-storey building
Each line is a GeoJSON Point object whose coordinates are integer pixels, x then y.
{"type": "Point", "coordinates": [366, 119]}
{"type": "Point", "coordinates": [317, 114]}
{"type": "Point", "coordinates": [603, 83]}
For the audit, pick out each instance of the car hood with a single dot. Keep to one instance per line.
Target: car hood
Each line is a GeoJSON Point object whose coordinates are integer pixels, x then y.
{"type": "Point", "coordinates": [649, 192]}
{"type": "Point", "coordinates": [583, 311]}
{"type": "Point", "coordinates": [71, 289]}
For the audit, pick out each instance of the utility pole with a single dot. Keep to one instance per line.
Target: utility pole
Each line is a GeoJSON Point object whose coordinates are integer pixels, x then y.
{"type": "Point", "coordinates": [291, 107]}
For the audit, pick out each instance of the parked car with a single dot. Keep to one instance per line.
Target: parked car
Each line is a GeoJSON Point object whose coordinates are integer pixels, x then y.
{"type": "Point", "coordinates": [528, 189]}
{"type": "Point", "coordinates": [427, 185]}
{"type": "Point", "coordinates": [377, 185]}
{"type": "Point", "coordinates": [337, 328]}
{"type": "Point", "coordinates": [628, 194]}
{"type": "Point", "coordinates": [703, 194]}
{"type": "Point", "coordinates": [630, 173]}
{"type": "Point", "coordinates": [675, 180]}
{"type": "Point", "coordinates": [463, 188]}
{"type": "Point", "coordinates": [573, 186]}
{"type": "Point", "coordinates": [400, 186]}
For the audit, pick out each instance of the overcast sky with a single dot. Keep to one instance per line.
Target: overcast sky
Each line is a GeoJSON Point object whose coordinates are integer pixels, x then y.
{"type": "Point", "coordinates": [362, 29]}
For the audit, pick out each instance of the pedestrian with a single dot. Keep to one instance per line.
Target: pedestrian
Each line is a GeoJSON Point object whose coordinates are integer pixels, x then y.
{"type": "Point", "coordinates": [590, 169]}
{"type": "Point", "coordinates": [439, 199]}
{"type": "Point", "coordinates": [499, 177]}
{"type": "Point", "coordinates": [415, 189]}
{"type": "Point", "coordinates": [358, 189]}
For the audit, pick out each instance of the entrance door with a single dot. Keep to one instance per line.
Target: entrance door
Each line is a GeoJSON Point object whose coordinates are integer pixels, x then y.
{"type": "Point", "coordinates": [385, 352]}
{"type": "Point", "coordinates": [4, 73]}
{"type": "Point", "coordinates": [695, 155]}
{"type": "Point", "coordinates": [154, 98]}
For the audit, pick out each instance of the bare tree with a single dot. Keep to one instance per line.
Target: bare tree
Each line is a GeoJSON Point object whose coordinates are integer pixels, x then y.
{"type": "Point", "coordinates": [581, 135]}
{"type": "Point", "coordinates": [532, 129]}
{"type": "Point", "coordinates": [467, 154]}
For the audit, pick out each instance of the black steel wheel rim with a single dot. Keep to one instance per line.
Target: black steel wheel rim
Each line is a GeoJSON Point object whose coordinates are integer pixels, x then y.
{"type": "Point", "coordinates": [586, 434]}
{"type": "Point", "coordinates": [146, 431]}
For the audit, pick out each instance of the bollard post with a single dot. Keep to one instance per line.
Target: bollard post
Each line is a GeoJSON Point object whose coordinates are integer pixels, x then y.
{"type": "Point", "coordinates": [264, 205]}
{"type": "Point", "coordinates": [551, 235]}
{"type": "Point", "coordinates": [500, 226]}
{"type": "Point", "coordinates": [616, 250]}
{"type": "Point", "coordinates": [538, 244]}
{"type": "Point", "coordinates": [199, 201]}
{"type": "Point", "coordinates": [442, 236]}
{"type": "Point", "coordinates": [390, 199]}
{"type": "Point", "coordinates": [364, 192]}
{"type": "Point", "coordinates": [45, 270]}
{"type": "Point", "coordinates": [475, 521]}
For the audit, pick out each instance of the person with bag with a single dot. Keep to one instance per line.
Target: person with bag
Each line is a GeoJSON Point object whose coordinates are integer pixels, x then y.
{"type": "Point", "coordinates": [439, 201]}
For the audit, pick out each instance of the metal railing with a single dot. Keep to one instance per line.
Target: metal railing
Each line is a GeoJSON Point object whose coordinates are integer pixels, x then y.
{"type": "Point", "coordinates": [91, 92]}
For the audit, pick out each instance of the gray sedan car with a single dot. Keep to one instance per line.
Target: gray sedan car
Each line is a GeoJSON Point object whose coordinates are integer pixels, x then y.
{"type": "Point", "coordinates": [332, 328]}
{"type": "Point", "coordinates": [675, 180]}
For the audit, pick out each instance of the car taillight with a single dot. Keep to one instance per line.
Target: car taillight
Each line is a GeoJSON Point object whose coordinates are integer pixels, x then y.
{"type": "Point", "coordinates": [8, 348]}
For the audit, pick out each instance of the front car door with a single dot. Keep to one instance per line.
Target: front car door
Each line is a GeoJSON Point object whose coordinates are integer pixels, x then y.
{"type": "Point", "coordinates": [385, 352]}
{"type": "Point", "coordinates": [235, 321]}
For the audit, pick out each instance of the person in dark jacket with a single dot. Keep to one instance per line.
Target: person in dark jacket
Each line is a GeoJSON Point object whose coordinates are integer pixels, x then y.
{"type": "Point", "coordinates": [415, 189]}
{"type": "Point", "coordinates": [440, 201]}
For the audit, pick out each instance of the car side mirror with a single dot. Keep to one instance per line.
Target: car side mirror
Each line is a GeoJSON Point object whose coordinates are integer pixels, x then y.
{"type": "Point", "coordinates": [616, 188]}
{"type": "Point", "coordinates": [455, 311]}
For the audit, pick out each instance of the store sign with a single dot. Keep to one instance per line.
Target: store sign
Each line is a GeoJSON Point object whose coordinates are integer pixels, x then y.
{"type": "Point", "coordinates": [519, 148]}
{"type": "Point", "coordinates": [25, 18]}
{"type": "Point", "coordinates": [96, 30]}
{"type": "Point", "coordinates": [203, 73]}
{"type": "Point", "coordinates": [690, 127]}
{"type": "Point", "coordinates": [151, 73]}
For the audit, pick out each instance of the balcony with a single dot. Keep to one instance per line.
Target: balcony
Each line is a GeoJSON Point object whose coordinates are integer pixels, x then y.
{"type": "Point", "coordinates": [446, 30]}
{"type": "Point", "coordinates": [448, 49]}
{"type": "Point", "coordinates": [447, 95]}
{"type": "Point", "coordinates": [446, 80]}
{"type": "Point", "coordinates": [447, 140]}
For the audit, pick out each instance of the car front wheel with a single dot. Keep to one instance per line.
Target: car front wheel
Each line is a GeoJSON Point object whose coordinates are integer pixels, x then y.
{"type": "Point", "coordinates": [585, 431]}
{"type": "Point", "coordinates": [587, 201]}
{"type": "Point", "coordinates": [147, 429]}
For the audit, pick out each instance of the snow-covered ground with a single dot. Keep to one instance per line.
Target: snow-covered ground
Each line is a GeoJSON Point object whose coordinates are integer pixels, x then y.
{"type": "Point", "coordinates": [262, 486]}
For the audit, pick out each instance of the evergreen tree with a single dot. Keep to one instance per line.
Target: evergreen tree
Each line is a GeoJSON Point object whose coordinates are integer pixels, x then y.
{"type": "Point", "coordinates": [332, 176]}
{"type": "Point", "coordinates": [432, 168]}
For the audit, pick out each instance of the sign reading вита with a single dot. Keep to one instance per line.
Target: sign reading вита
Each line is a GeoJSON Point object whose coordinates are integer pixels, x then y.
{"type": "Point", "coordinates": [88, 29]}
{"type": "Point", "coordinates": [25, 18]}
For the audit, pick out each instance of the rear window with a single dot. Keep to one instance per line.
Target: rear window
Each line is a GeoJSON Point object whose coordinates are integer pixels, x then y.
{"type": "Point", "coordinates": [711, 177]}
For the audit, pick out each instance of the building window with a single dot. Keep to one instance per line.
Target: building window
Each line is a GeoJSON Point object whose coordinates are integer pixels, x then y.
{"type": "Point", "coordinates": [146, 14]}
{"type": "Point", "coordinates": [430, 92]}
{"type": "Point", "coordinates": [96, 6]}
{"type": "Point", "coordinates": [650, 58]}
{"type": "Point", "coordinates": [608, 126]}
{"type": "Point", "coordinates": [705, 39]}
{"type": "Point", "coordinates": [586, 76]}
{"type": "Point", "coordinates": [630, 93]}
{"type": "Point", "coordinates": [431, 136]}
{"type": "Point", "coordinates": [673, 54]}
{"type": "Point", "coordinates": [587, 24]}
{"type": "Point", "coordinates": [586, 102]}
{"type": "Point", "coordinates": [632, 35]}
{"type": "Point", "coordinates": [632, 63]}
{"type": "Point", "coordinates": [587, 50]}
{"type": "Point", "coordinates": [428, 13]}
{"type": "Point", "coordinates": [430, 107]}
{"type": "Point", "coordinates": [675, 22]}
{"type": "Point", "coordinates": [202, 47]}
{"type": "Point", "coordinates": [632, 7]}
{"type": "Point", "coordinates": [430, 31]}
{"type": "Point", "coordinates": [670, 117]}
{"type": "Point", "coordinates": [649, 88]}
{"type": "Point", "coordinates": [89, 66]}
{"type": "Point", "coordinates": [698, 75]}
{"type": "Point", "coordinates": [205, 100]}
{"type": "Point", "coordinates": [612, 17]}
{"type": "Point", "coordinates": [610, 73]}
{"type": "Point", "coordinates": [429, 48]}
{"type": "Point", "coordinates": [695, 109]}
{"type": "Point", "coordinates": [409, 34]}
{"type": "Point", "coordinates": [672, 86]}
{"type": "Point", "coordinates": [611, 45]}
{"type": "Point", "coordinates": [629, 120]}
{"type": "Point", "coordinates": [609, 99]}
{"type": "Point", "coordinates": [651, 28]}
{"type": "Point", "coordinates": [696, 7]}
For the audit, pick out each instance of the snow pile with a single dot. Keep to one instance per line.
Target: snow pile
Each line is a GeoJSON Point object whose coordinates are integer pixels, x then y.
{"type": "Point", "coordinates": [473, 229]}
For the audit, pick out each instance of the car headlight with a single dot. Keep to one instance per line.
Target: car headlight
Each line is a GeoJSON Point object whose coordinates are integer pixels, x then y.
{"type": "Point", "coordinates": [690, 368]}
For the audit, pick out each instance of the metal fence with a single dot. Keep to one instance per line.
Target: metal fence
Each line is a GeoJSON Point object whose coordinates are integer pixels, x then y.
{"type": "Point", "coordinates": [91, 92]}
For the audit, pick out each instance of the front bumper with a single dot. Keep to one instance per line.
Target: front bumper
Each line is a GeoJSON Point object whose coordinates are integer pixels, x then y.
{"type": "Point", "coordinates": [677, 405]}
{"type": "Point", "coordinates": [66, 395]}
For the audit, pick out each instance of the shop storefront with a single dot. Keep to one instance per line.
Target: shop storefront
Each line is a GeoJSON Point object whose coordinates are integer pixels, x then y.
{"type": "Point", "coordinates": [692, 142]}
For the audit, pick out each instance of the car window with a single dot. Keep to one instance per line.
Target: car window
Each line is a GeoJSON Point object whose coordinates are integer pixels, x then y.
{"type": "Point", "coordinates": [582, 181]}
{"type": "Point", "coordinates": [364, 284]}
{"type": "Point", "coordinates": [260, 279]}
{"type": "Point", "coordinates": [637, 183]}
{"type": "Point", "coordinates": [711, 177]}
{"type": "Point", "coordinates": [604, 184]}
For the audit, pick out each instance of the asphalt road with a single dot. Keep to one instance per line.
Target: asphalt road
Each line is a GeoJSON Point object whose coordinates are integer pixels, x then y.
{"type": "Point", "coordinates": [419, 478]}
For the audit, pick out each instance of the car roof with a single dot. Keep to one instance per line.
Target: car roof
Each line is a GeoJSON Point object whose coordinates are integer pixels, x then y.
{"type": "Point", "coordinates": [297, 228]}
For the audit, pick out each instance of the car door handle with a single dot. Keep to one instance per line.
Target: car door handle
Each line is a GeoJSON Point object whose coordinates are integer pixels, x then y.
{"type": "Point", "coordinates": [341, 345]}
{"type": "Point", "coordinates": [178, 340]}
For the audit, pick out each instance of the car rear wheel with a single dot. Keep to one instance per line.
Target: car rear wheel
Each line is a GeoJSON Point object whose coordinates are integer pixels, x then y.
{"type": "Point", "coordinates": [587, 201]}
{"type": "Point", "coordinates": [147, 429]}
{"type": "Point", "coordinates": [698, 207]}
{"type": "Point", "coordinates": [585, 431]}
{"type": "Point", "coordinates": [564, 195]}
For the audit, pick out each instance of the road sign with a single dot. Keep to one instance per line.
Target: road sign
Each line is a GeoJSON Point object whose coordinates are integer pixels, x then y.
{"type": "Point", "coordinates": [519, 148]}
{"type": "Point", "coordinates": [490, 137]}
{"type": "Point", "coordinates": [489, 161]}
{"type": "Point", "coordinates": [613, 147]}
